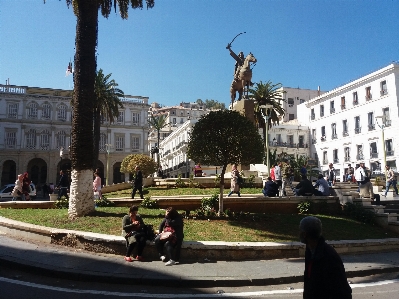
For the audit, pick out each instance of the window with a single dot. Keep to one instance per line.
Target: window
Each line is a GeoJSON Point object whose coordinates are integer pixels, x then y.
{"type": "Point", "coordinates": [389, 147]}
{"type": "Point", "coordinates": [301, 138]}
{"type": "Point", "coordinates": [321, 110]}
{"type": "Point", "coordinates": [278, 138]}
{"type": "Point", "coordinates": [301, 101]}
{"type": "Point", "coordinates": [355, 98]}
{"type": "Point", "coordinates": [368, 93]}
{"type": "Point", "coordinates": [174, 120]}
{"type": "Point", "coordinates": [359, 155]}
{"type": "Point", "coordinates": [385, 113]}
{"type": "Point", "coordinates": [62, 112]}
{"type": "Point", "coordinates": [312, 115]}
{"type": "Point", "coordinates": [334, 131]}
{"type": "Point", "coordinates": [332, 108]}
{"type": "Point", "coordinates": [46, 111]}
{"type": "Point", "coordinates": [335, 156]}
{"type": "Point", "coordinates": [347, 154]}
{"type": "Point", "coordinates": [31, 111]}
{"type": "Point", "coordinates": [61, 139]}
{"type": "Point", "coordinates": [291, 116]}
{"type": "Point", "coordinates": [384, 90]}
{"type": "Point", "coordinates": [121, 117]}
{"type": "Point", "coordinates": [370, 121]}
{"type": "Point", "coordinates": [290, 140]}
{"type": "Point", "coordinates": [119, 143]}
{"type": "Point", "coordinates": [314, 140]}
{"type": "Point", "coordinates": [12, 111]}
{"type": "Point", "coordinates": [103, 142]}
{"type": "Point", "coordinates": [373, 150]}
{"type": "Point", "coordinates": [181, 120]}
{"type": "Point", "coordinates": [323, 133]}
{"type": "Point", "coordinates": [345, 128]}
{"type": "Point", "coordinates": [325, 160]}
{"type": "Point", "coordinates": [31, 139]}
{"type": "Point", "coordinates": [290, 102]}
{"type": "Point", "coordinates": [357, 125]}
{"type": "Point", "coordinates": [45, 140]}
{"type": "Point", "coordinates": [343, 106]}
{"type": "Point", "coordinates": [135, 118]}
{"type": "Point", "coordinates": [11, 139]}
{"type": "Point", "coordinates": [135, 143]}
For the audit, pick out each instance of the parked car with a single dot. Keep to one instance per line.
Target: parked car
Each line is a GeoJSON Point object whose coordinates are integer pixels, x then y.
{"type": "Point", "coordinates": [5, 192]}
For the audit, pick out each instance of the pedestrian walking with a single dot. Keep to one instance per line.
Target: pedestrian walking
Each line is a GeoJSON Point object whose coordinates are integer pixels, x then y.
{"type": "Point", "coordinates": [97, 184]}
{"type": "Point", "coordinates": [390, 181]}
{"type": "Point", "coordinates": [26, 185]}
{"type": "Point", "coordinates": [138, 183]}
{"type": "Point", "coordinates": [63, 185]}
{"type": "Point", "coordinates": [17, 191]}
{"type": "Point", "coordinates": [360, 175]}
{"type": "Point", "coordinates": [277, 175]}
{"type": "Point", "coordinates": [331, 176]}
{"type": "Point", "coordinates": [234, 184]}
{"type": "Point", "coordinates": [324, 275]}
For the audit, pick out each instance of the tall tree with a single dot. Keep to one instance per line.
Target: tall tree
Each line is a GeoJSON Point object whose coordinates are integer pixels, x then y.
{"type": "Point", "coordinates": [106, 105]}
{"type": "Point", "coordinates": [225, 137]}
{"type": "Point", "coordinates": [158, 122]}
{"type": "Point", "coordinates": [81, 194]}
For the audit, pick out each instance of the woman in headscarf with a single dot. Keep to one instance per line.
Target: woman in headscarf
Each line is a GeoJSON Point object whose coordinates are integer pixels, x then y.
{"type": "Point", "coordinates": [26, 185]}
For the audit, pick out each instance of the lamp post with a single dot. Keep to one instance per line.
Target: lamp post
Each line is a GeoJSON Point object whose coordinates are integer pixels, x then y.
{"type": "Point", "coordinates": [108, 148]}
{"type": "Point", "coordinates": [266, 116]}
{"type": "Point", "coordinates": [382, 126]}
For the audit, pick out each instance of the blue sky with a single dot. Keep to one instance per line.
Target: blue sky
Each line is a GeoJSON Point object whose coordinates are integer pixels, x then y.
{"type": "Point", "coordinates": [176, 52]}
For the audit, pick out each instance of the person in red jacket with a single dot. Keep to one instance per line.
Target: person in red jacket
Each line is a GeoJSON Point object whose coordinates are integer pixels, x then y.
{"type": "Point", "coordinates": [272, 174]}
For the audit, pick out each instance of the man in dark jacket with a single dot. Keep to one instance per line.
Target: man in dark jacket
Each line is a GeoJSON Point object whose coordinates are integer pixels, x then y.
{"type": "Point", "coordinates": [138, 183]}
{"type": "Point", "coordinates": [324, 275]}
{"type": "Point", "coordinates": [304, 187]}
{"type": "Point", "coordinates": [63, 185]}
{"type": "Point", "coordinates": [270, 189]}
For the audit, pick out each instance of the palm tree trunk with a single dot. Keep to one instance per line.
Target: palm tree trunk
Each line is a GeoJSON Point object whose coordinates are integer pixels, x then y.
{"type": "Point", "coordinates": [96, 132]}
{"type": "Point", "coordinates": [81, 201]}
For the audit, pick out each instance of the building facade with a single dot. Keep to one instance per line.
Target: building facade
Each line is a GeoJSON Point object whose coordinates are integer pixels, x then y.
{"type": "Point", "coordinates": [355, 123]}
{"type": "Point", "coordinates": [35, 134]}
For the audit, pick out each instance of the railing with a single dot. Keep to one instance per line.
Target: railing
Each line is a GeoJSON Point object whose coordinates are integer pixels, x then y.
{"type": "Point", "coordinates": [332, 110]}
{"type": "Point", "coordinates": [343, 107]}
{"type": "Point", "coordinates": [359, 157]}
{"type": "Point", "coordinates": [387, 123]}
{"type": "Point", "coordinates": [358, 130]}
{"type": "Point", "coordinates": [355, 102]}
{"type": "Point", "coordinates": [347, 159]}
{"type": "Point", "coordinates": [321, 114]}
{"type": "Point", "coordinates": [373, 155]}
{"type": "Point", "coordinates": [325, 161]}
{"type": "Point", "coordinates": [368, 97]}
{"type": "Point", "coordinates": [336, 160]}
{"type": "Point", "coordinates": [345, 133]}
{"type": "Point", "coordinates": [334, 136]}
{"type": "Point", "coordinates": [383, 92]}
{"type": "Point", "coordinates": [371, 127]}
{"type": "Point", "coordinates": [323, 138]}
{"type": "Point", "coordinates": [390, 153]}
{"type": "Point", "coordinates": [312, 117]}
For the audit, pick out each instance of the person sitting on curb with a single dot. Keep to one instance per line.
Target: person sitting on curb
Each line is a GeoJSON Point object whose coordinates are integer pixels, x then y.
{"type": "Point", "coordinates": [366, 190]}
{"type": "Point", "coordinates": [132, 226]}
{"type": "Point", "coordinates": [324, 275]}
{"type": "Point", "coordinates": [270, 189]}
{"type": "Point", "coordinates": [322, 185]}
{"type": "Point", "coordinates": [304, 187]}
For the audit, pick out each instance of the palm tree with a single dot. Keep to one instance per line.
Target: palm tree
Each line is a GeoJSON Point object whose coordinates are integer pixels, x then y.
{"type": "Point", "coordinates": [158, 122]}
{"type": "Point", "coordinates": [106, 105]}
{"type": "Point", "coordinates": [86, 11]}
{"type": "Point", "coordinates": [267, 94]}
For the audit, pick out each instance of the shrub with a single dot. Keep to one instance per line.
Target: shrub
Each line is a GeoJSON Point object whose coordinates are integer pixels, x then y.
{"type": "Point", "coordinates": [104, 202]}
{"type": "Point", "coordinates": [149, 203]}
{"type": "Point", "coordinates": [210, 203]}
{"type": "Point", "coordinates": [62, 203]}
{"type": "Point", "coordinates": [304, 207]}
{"type": "Point", "coordinates": [179, 182]}
{"type": "Point", "coordinates": [358, 212]}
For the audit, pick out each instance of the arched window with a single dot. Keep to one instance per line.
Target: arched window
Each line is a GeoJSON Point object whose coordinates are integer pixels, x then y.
{"type": "Point", "coordinates": [62, 112]}
{"type": "Point", "coordinates": [46, 111]}
{"type": "Point", "coordinates": [31, 139]}
{"type": "Point", "coordinates": [45, 140]}
{"type": "Point", "coordinates": [61, 139]}
{"type": "Point", "coordinates": [31, 110]}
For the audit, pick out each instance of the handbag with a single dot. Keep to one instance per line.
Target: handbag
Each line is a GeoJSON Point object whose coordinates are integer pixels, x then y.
{"type": "Point", "coordinates": [168, 234]}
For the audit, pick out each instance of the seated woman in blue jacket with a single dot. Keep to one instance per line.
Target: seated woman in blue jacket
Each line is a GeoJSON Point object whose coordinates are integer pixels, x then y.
{"type": "Point", "coordinates": [173, 222]}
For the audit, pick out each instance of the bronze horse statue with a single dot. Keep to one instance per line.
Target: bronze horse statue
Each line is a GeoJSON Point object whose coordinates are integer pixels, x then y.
{"type": "Point", "coordinates": [242, 78]}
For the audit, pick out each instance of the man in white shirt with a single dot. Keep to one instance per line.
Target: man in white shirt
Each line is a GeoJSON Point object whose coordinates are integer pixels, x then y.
{"type": "Point", "coordinates": [277, 175]}
{"type": "Point", "coordinates": [360, 175]}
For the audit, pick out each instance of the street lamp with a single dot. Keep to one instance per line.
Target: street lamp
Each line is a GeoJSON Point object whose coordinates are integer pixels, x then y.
{"type": "Point", "coordinates": [266, 116]}
{"type": "Point", "coordinates": [108, 148]}
{"type": "Point", "coordinates": [382, 126]}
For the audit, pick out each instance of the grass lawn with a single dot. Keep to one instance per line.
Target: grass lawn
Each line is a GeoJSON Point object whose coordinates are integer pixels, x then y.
{"type": "Point", "coordinates": [254, 228]}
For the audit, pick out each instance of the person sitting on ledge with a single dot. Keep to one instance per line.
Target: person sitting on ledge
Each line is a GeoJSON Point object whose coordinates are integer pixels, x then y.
{"type": "Point", "coordinates": [366, 190]}
{"type": "Point", "coordinates": [322, 185]}
{"type": "Point", "coordinates": [270, 189]}
{"type": "Point", "coordinates": [304, 188]}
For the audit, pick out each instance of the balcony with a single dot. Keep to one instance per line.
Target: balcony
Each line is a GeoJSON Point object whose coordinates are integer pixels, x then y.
{"type": "Point", "coordinates": [334, 136]}
{"type": "Point", "coordinates": [312, 116]}
{"type": "Point", "coordinates": [325, 161]}
{"type": "Point", "coordinates": [314, 141]}
{"type": "Point", "coordinates": [359, 157]}
{"type": "Point", "coordinates": [336, 160]}
{"type": "Point", "coordinates": [383, 92]}
{"type": "Point", "coordinates": [321, 114]}
{"type": "Point", "coordinates": [368, 97]}
{"type": "Point", "coordinates": [373, 155]}
{"type": "Point", "coordinates": [347, 159]}
{"type": "Point", "coordinates": [371, 127]}
{"type": "Point", "coordinates": [387, 123]}
{"type": "Point", "coordinates": [345, 133]}
{"type": "Point", "coordinates": [390, 153]}
{"type": "Point", "coordinates": [343, 107]}
{"type": "Point", "coordinates": [323, 138]}
{"type": "Point", "coordinates": [358, 130]}
{"type": "Point", "coordinates": [332, 110]}
{"type": "Point", "coordinates": [355, 102]}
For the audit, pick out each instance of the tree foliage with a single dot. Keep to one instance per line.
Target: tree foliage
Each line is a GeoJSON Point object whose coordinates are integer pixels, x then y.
{"type": "Point", "coordinates": [211, 104]}
{"type": "Point", "coordinates": [147, 164]}
{"type": "Point", "coordinates": [225, 137]}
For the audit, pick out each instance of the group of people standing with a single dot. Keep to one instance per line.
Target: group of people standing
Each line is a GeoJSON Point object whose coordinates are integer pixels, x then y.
{"type": "Point", "coordinates": [169, 238]}
{"type": "Point", "coordinates": [281, 175]}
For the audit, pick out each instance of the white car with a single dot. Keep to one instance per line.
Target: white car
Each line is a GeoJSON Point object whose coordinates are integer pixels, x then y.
{"type": "Point", "coordinates": [6, 190]}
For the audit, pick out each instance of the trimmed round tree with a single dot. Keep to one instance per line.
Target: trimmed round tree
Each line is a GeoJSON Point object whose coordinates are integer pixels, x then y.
{"type": "Point", "coordinates": [225, 137]}
{"type": "Point", "coordinates": [147, 164]}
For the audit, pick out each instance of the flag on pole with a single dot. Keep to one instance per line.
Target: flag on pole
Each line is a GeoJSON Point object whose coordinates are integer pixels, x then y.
{"type": "Point", "coordinates": [69, 69]}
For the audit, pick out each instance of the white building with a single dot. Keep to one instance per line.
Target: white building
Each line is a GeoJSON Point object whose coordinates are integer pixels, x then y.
{"type": "Point", "coordinates": [345, 122]}
{"type": "Point", "coordinates": [35, 124]}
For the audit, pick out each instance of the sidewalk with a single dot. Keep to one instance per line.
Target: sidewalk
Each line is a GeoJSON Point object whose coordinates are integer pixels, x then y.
{"type": "Point", "coordinates": [59, 261]}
